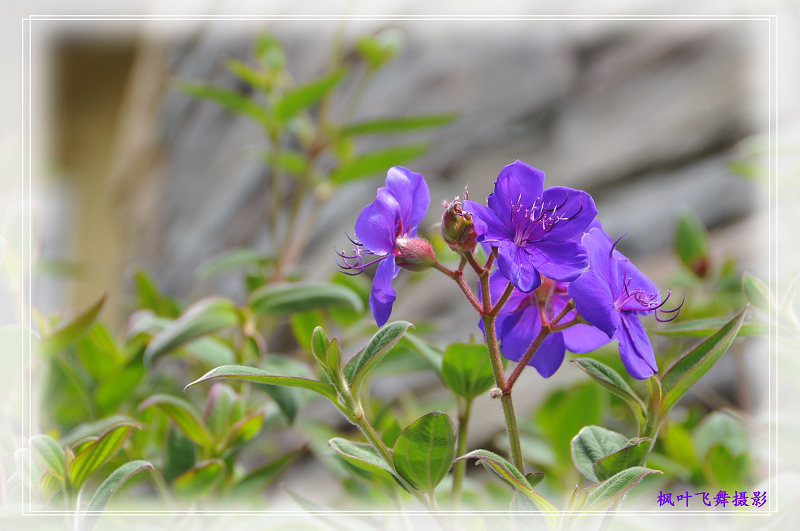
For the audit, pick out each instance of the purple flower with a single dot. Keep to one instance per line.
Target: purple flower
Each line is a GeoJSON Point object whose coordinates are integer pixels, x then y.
{"type": "Point", "coordinates": [533, 228]}
{"type": "Point", "coordinates": [520, 321]}
{"type": "Point", "coordinates": [386, 230]}
{"type": "Point", "coordinates": [611, 295]}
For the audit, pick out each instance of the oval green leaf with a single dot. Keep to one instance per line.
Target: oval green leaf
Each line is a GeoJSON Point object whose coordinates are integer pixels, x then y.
{"type": "Point", "coordinates": [385, 338]}
{"type": "Point", "coordinates": [692, 366]}
{"type": "Point", "coordinates": [288, 297]}
{"type": "Point", "coordinates": [424, 452]}
{"type": "Point", "coordinates": [203, 317]}
{"type": "Point", "coordinates": [632, 455]}
{"type": "Point", "coordinates": [467, 369]}
{"type": "Point", "coordinates": [184, 415]}
{"type": "Point", "coordinates": [592, 444]}
{"type": "Point", "coordinates": [96, 454]}
{"type": "Point", "coordinates": [48, 454]}
{"type": "Point", "coordinates": [231, 100]}
{"type": "Point", "coordinates": [758, 293]}
{"type": "Point", "coordinates": [68, 334]}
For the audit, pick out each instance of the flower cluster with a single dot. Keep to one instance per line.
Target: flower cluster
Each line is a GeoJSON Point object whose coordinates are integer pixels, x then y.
{"type": "Point", "coordinates": [560, 281]}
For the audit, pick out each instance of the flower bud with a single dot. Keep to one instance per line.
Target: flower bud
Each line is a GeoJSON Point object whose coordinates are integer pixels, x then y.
{"type": "Point", "coordinates": [457, 228]}
{"type": "Point", "coordinates": [414, 254]}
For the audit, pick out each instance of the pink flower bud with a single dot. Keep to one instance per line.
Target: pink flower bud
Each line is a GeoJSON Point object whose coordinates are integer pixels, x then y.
{"type": "Point", "coordinates": [413, 254]}
{"type": "Point", "coordinates": [457, 229]}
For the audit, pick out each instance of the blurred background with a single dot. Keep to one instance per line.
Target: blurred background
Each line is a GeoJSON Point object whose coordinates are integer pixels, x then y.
{"type": "Point", "coordinates": [654, 118]}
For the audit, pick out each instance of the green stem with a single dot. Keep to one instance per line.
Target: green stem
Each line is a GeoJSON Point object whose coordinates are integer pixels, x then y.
{"type": "Point", "coordinates": [461, 466]}
{"type": "Point", "coordinates": [513, 432]}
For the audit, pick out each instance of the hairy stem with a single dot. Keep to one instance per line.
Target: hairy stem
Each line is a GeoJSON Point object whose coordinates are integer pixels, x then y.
{"type": "Point", "coordinates": [458, 276]}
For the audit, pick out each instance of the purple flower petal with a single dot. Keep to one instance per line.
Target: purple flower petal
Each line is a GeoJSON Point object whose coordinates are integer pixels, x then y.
{"type": "Point", "coordinates": [550, 355]}
{"type": "Point", "coordinates": [383, 296]}
{"type": "Point", "coordinates": [559, 260]}
{"type": "Point", "coordinates": [635, 283]}
{"type": "Point", "coordinates": [635, 348]}
{"type": "Point", "coordinates": [377, 224]}
{"type": "Point", "coordinates": [582, 338]}
{"type": "Point", "coordinates": [488, 226]}
{"type": "Point", "coordinates": [576, 206]}
{"type": "Point", "coordinates": [595, 302]}
{"type": "Point", "coordinates": [516, 265]}
{"type": "Point", "coordinates": [519, 185]}
{"type": "Point", "coordinates": [412, 194]}
{"type": "Point", "coordinates": [518, 331]}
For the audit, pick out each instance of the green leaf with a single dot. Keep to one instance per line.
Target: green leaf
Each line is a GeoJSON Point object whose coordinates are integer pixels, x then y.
{"type": "Point", "coordinates": [98, 353]}
{"type": "Point", "coordinates": [376, 162]}
{"type": "Point", "coordinates": [68, 334]}
{"type": "Point", "coordinates": [691, 367]}
{"type": "Point", "coordinates": [263, 477]}
{"type": "Point", "coordinates": [203, 317]}
{"type": "Point", "coordinates": [319, 346]}
{"type": "Point", "coordinates": [48, 454]}
{"type": "Point", "coordinates": [111, 485]}
{"type": "Point", "coordinates": [239, 258]}
{"type": "Point", "coordinates": [114, 390]}
{"type": "Point", "coordinates": [467, 369]}
{"type": "Point", "coordinates": [291, 162]}
{"type": "Point", "coordinates": [251, 374]}
{"type": "Point", "coordinates": [424, 452]}
{"type": "Point", "coordinates": [199, 480]}
{"type": "Point", "coordinates": [592, 444]}
{"type": "Point", "coordinates": [397, 125]}
{"type": "Point", "coordinates": [380, 48]}
{"type": "Point", "coordinates": [432, 355]}
{"type": "Point", "coordinates": [632, 455]}
{"type": "Point", "coordinates": [97, 428]}
{"type": "Point", "coordinates": [229, 99]}
{"type": "Point", "coordinates": [97, 454]}
{"type": "Point", "coordinates": [246, 73]}
{"type": "Point", "coordinates": [269, 51]}
{"type": "Point", "coordinates": [180, 455]}
{"type": "Point", "coordinates": [362, 456]}
{"type": "Point", "coordinates": [707, 326]}
{"type": "Point", "coordinates": [501, 468]}
{"type": "Point", "coordinates": [244, 430]}
{"type": "Point", "coordinates": [149, 297]}
{"type": "Point", "coordinates": [281, 298]}
{"type": "Point", "coordinates": [691, 243]}
{"type": "Point", "coordinates": [728, 470]}
{"type": "Point", "coordinates": [334, 356]}
{"type": "Point", "coordinates": [758, 293]}
{"type": "Point", "coordinates": [720, 427]}
{"type": "Point", "coordinates": [616, 487]}
{"type": "Point", "coordinates": [184, 415]}
{"type": "Point", "coordinates": [362, 363]}
{"type": "Point", "coordinates": [219, 404]}
{"type": "Point", "coordinates": [611, 380]}
{"type": "Point", "coordinates": [306, 95]}
{"type": "Point", "coordinates": [534, 479]}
